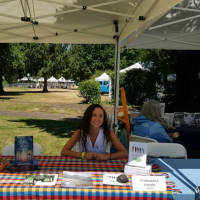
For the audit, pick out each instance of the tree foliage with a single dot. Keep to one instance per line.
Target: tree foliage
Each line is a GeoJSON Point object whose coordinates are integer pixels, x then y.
{"type": "Point", "coordinates": [12, 63]}
{"type": "Point", "coordinates": [45, 60]}
{"type": "Point", "coordinates": [84, 60]}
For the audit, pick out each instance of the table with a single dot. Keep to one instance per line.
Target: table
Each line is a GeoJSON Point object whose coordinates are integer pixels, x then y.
{"type": "Point", "coordinates": [11, 187]}
{"type": "Point", "coordinates": [189, 137]}
{"type": "Point", "coordinates": [185, 173]}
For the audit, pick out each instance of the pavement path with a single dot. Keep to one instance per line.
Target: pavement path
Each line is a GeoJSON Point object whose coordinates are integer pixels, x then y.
{"type": "Point", "coordinates": [39, 115]}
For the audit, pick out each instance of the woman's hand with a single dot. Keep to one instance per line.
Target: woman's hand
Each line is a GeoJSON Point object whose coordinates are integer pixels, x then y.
{"type": "Point", "coordinates": [90, 156]}
{"type": "Point", "coordinates": [101, 156]}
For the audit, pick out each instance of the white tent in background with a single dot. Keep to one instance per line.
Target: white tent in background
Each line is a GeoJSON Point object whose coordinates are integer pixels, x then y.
{"type": "Point", "coordinates": [52, 80]}
{"type": "Point", "coordinates": [134, 66]}
{"type": "Point", "coordinates": [24, 79]}
{"type": "Point", "coordinates": [41, 79]}
{"type": "Point", "coordinates": [103, 77]}
{"type": "Point", "coordinates": [62, 80]}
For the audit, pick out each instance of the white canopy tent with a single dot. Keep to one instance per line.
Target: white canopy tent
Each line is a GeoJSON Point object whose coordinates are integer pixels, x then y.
{"type": "Point", "coordinates": [62, 80]}
{"type": "Point", "coordinates": [179, 28]}
{"type": "Point", "coordinates": [52, 80]}
{"type": "Point", "coordinates": [79, 21]}
{"type": "Point", "coordinates": [103, 77]}
{"type": "Point", "coordinates": [134, 66]}
{"type": "Point", "coordinates": [41, 79]}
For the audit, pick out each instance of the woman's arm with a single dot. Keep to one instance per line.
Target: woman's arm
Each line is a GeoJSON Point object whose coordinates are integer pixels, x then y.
{"type": "Point", "coordinates": [121, 151]}
{"type": "Point", "coordinates": [66, 151]}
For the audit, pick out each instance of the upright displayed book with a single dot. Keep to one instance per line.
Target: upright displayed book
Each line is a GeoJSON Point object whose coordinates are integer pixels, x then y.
{"type": "Point", "coordinates": [137, 164]}
{"type": "Point", "coordinates": [23, 154]}
{"type": "Point", "coordinates": [137, 153]}
{"type": "Point", "coordinates": [23, 150]}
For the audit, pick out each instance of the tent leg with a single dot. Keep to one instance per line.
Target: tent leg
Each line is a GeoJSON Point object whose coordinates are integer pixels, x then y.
{"type": "Point", "coordinates": [116, 83]}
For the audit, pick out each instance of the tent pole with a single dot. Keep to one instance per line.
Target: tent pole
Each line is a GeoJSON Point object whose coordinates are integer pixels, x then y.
{"type": "Point", "coordinates": [116, 82]}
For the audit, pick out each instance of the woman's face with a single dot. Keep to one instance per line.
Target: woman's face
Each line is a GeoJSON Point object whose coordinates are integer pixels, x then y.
{"type": "Point", "coordinates": [97, 118]}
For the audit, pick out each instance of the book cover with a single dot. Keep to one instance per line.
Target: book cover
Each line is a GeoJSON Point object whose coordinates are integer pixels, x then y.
{"type": "Point", "coordinates": [137, 154]}
{"type": "Point", "coordinates": [23, 150]}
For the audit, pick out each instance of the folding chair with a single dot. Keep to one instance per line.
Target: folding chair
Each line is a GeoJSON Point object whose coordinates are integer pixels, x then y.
{"type": "Point", "coordinates": [9, 150]}
{"type": "Point", "coordinates": [166, 150]}
{"type": "Point", "coordinates": [136, 138]}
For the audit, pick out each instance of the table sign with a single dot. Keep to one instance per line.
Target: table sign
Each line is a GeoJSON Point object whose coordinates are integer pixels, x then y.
{"type": "Point", "coordinates": [149, 183]}
{"type": "Point", "coordinates": [137, 154]}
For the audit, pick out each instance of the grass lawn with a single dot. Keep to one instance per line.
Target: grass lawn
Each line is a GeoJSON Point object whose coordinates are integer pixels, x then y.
{"type": "Point", "coordinates": [50, 134]}
{"type": "Point", "coordinates": [29, 111]}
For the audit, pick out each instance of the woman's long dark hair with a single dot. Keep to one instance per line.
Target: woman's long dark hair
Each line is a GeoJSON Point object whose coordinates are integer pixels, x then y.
{"type": "Point", "coordinates": [85, 124]}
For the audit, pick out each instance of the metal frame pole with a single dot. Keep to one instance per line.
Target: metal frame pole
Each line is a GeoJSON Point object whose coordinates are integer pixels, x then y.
{"type": "Point", "coordinates": [116, 88]}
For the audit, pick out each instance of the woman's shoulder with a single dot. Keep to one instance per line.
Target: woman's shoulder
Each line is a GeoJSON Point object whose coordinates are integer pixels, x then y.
{"type": "Point", "coordinates": [77, 132]}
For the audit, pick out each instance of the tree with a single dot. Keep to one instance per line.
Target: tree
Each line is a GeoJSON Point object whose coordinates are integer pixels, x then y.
{"type": "Point", "coordinates": [187, 86]}
{"type": "Point", "coordinates": [84, 60]}
{"type": "Point", "coordinates": [12, 63]}
{"type": "Point", "coordinates": [187, 69]}
{"type": "Point", "coordinates": [46, 60]}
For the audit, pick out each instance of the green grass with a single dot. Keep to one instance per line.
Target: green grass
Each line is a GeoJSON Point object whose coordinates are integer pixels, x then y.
{"type": "Point", "coordinates": [51, 134]}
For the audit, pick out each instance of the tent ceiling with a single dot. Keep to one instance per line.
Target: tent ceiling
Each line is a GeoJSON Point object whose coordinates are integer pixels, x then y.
{"type": "Point", "coordinates": [178, 29]}
{"type": "Point", "coordinates": [76, 21]}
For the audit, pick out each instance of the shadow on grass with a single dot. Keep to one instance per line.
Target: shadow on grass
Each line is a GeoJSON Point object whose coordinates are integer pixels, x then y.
{"type": "Point", "coordinates": [58, 128]}
{"type": "Point", "coordinates": [7, 95]}
{"type": "Point", "coordinates": [6, 98]}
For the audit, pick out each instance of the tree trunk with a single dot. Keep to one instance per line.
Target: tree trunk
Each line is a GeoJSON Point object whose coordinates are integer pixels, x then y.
{"type": "Point", "coordinates": [1, 84]}
{"type": "Point", "coordinates": [45, 85]}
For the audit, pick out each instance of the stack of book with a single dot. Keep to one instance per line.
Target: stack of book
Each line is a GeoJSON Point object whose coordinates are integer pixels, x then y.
{"type": "Point", "coordinates": [138, 171]}
{"type": "Point", "coordinates": [137, 164]}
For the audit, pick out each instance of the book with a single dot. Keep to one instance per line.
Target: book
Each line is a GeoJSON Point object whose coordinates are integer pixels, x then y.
{"type": "Point", "coordinates": [41, 179]}
{"type": "Point", "coordinates": [137, 154]}
{"type": "Point", "coordinates": [137, 171]}
{"type": "Point", "coordinates": [23, 150]}
{"type": "Point", "coordinates": [77, 179]}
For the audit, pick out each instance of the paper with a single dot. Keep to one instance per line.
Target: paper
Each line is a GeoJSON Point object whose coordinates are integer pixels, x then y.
{"type": "Point", "coordinates": [77, 179]}
{"type": "Point", "coordinates": [137, 154]}
{"type": "Point", "coordinates": [149, 183]}
{"type": "Point", "coordinates": [41, 179]}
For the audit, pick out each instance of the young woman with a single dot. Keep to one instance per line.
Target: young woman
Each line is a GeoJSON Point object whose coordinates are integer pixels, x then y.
{"type": "Point", "coordinates": [150, 124]}
{"type": "Point", "coordinates": [93, 137]}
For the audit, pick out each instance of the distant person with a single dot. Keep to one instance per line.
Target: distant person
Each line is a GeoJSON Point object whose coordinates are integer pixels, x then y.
{"type": "Point", "coordinates": [150, 124]}
{"type": "Point", "coordinates": [93, 137]}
